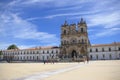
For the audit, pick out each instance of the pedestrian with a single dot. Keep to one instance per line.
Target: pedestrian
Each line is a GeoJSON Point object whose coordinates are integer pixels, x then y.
{"type": "Point", "coordinates": [87, 59]}
{"type": "Point", "coordinates": [44, 61]}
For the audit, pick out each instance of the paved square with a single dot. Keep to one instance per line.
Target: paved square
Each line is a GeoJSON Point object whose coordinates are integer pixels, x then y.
{"type": "Point", "coordinates": [95, 70]}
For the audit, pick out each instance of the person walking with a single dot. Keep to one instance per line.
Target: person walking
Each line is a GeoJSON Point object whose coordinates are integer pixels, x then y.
{"type": "Point", "coordinates": [87, 59]}
{"type": "Point", "coordinates": [44, 61]}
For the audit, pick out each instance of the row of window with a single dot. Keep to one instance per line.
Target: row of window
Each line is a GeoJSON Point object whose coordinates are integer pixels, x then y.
{"type": "Point", "coordinates": [109, 49]}
{"type": "Point", "coordinates": [30, 52]}
{"type": "Point", "coordinates": [65, 31]}
{"type": "Point", "coordinates": [33, 57]}
{"type": "Point", "coordinates": [25, 53]}
{"type": "Point", "coordinates": [74, 41]}
{"type": "Point", "coordinates": [103, 56]}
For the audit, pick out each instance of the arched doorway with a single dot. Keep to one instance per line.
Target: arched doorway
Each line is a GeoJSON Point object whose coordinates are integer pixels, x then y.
{"type": "Point", "coordinates": [74, 54]}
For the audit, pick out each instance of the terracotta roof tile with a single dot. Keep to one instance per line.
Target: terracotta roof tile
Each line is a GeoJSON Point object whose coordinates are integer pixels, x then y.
{"type": "Point", "coordinates": [112, 44]}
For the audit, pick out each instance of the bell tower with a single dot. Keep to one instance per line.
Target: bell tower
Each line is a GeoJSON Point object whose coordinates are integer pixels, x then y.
{"type": "Point", "coordinates": [82, 27]}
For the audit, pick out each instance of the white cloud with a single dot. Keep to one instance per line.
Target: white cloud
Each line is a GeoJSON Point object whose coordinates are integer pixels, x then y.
{"type": "Point", "coordinates": [13, 26]}
{"type": "Point", "coordinates": [71, 14]}
{"type": "Point", "coordinates": [4, 46]}
{"type": "Point", "coordinates": [105, 33]}
{"type": "Point", "coordinates": [69, 8]}
{"type": "Point", "coordinates": [33, 18]}
{"type": "Point", "coordinates": [54, 3]}
{"type": "Point", "coordinates": [45, 3]}
{"type": "Point", "coordinates": [26, 46]}
{"type": "Point", "coordinates": [106, 19]}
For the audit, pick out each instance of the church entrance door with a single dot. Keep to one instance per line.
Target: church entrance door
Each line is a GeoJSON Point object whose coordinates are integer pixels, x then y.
{"type": "Point", "coordinates": [74, 54]}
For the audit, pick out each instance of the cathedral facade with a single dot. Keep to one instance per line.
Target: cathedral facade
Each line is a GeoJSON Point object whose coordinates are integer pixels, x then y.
{"type": "Point", "coordinates": [74, 40]}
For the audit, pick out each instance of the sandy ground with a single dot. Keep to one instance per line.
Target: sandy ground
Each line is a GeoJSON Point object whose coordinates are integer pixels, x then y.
{"type": "Point", "coordinates": [9, 71]}
{"type": "Point", "coordinates": [95, 70]}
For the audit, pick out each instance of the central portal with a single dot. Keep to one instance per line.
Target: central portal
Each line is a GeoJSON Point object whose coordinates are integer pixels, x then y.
{"type": "Point", "coordinates": [74, 54]}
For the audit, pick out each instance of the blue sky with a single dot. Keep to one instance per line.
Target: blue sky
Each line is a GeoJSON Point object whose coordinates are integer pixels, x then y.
{"type": "Point", "coordinates": [31, 23]}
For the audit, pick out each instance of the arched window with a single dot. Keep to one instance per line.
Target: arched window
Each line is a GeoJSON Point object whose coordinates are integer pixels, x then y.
{"type": "Point", "coordinates": [102, 49]}
{"type": "Point", "coordinates": [43, 52]}
{"type": "Point", "coordinates": [96, 50]}
{"type": "Point", "coordinates": [81, 29]}
{"type": "Point", "coordinates": [90, 50]}
{"type": "Point", "coordinates": [64, 32]}
{"type": "Point", "coordinates": [109, 49]}
{"type": "Point", "coordinates": [119, 48]}
{"type": "Point", "coordinates": [52, 51]}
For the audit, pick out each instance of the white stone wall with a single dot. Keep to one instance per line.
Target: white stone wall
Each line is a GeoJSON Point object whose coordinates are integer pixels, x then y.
{"type": "Point", "coordinates": [32, 55]}
{"type": "Point", "coordinates": [52, 53]}
{"type": "Point", "coordinates": [1, 57]}
{"type": "Point", "coordinates": [106, 54]}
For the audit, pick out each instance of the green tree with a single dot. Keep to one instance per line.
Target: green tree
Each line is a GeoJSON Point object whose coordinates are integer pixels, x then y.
{"type": "Point", "coordinates": [13, 46]}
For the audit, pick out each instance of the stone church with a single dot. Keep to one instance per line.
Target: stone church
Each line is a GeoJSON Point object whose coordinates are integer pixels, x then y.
{"type": "Point", "coordinates": [74, 40]}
